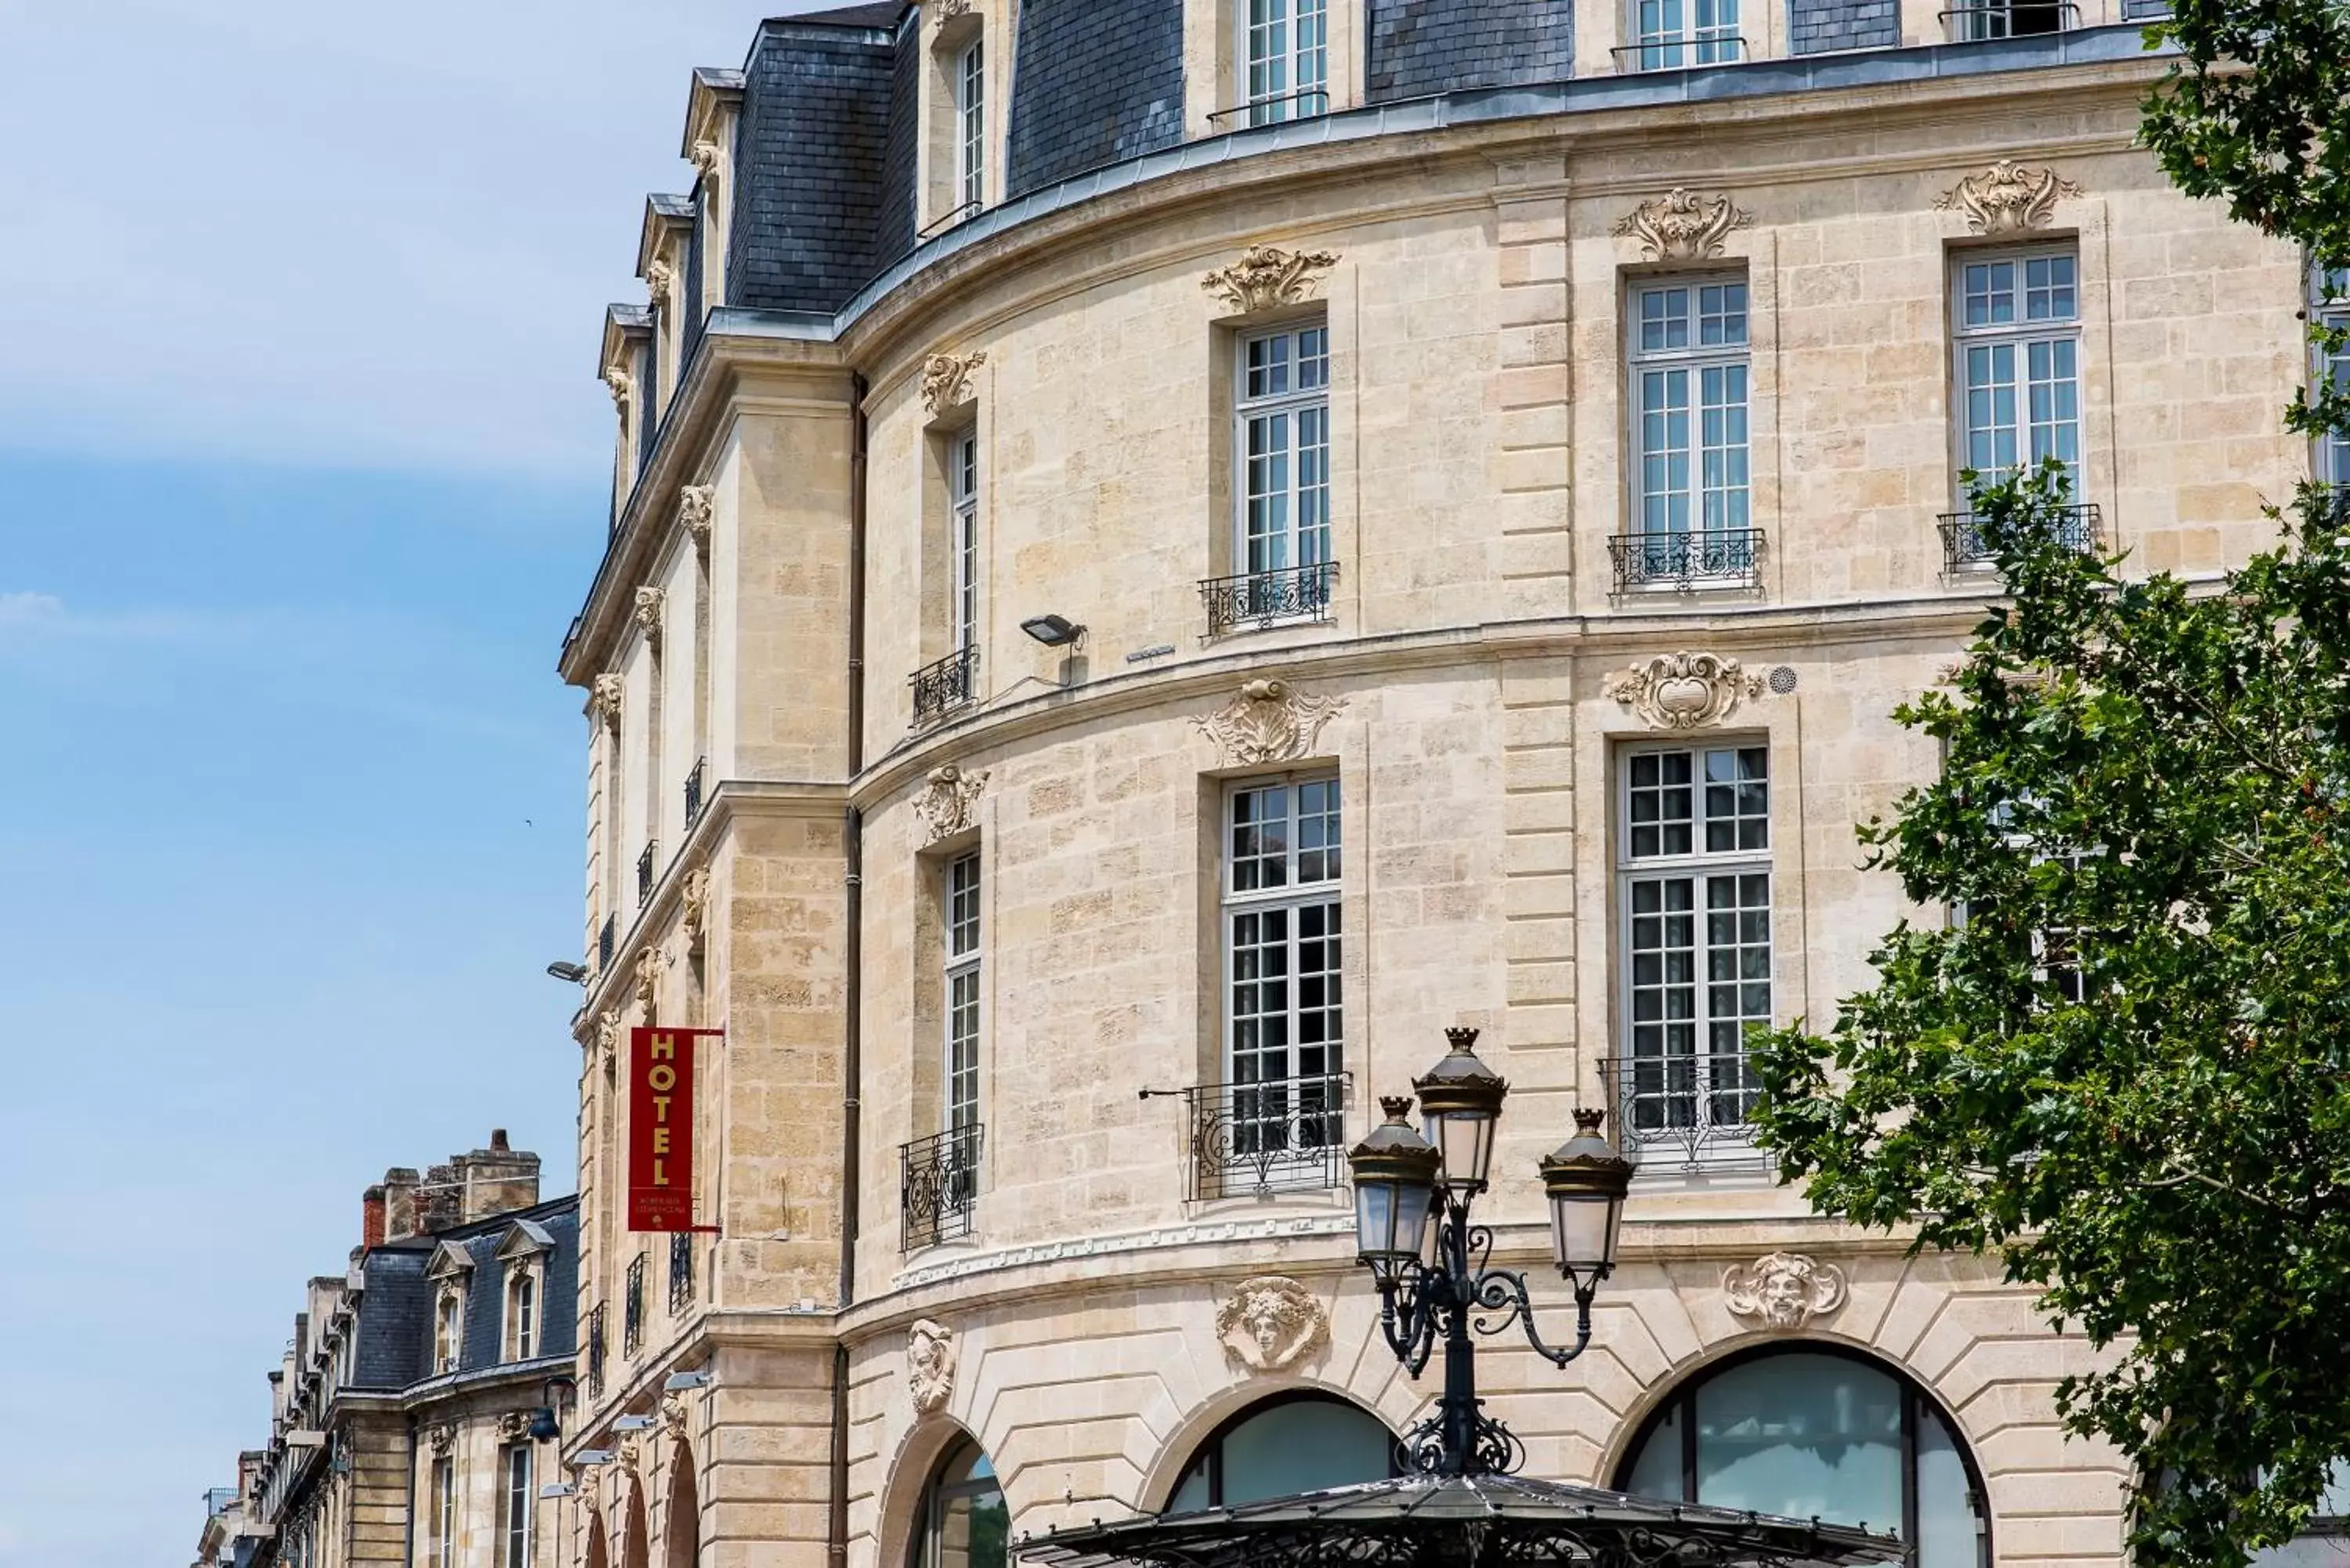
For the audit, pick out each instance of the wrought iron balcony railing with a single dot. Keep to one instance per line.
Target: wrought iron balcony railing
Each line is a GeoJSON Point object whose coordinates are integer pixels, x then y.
{"type": "Point", "coordinates": [1979, 21]}
{"type": "Point", "coordinates": [1268, 598]}
{"type": "Point", "coordinates": [596, 1351]}
{"type": "Point", "coordinates": [945, 683]}
{"type": "Point", "coordinates": [680, 1271]}
{"type": "Point", "coordinates": [1963, 545]}
{"type": "Point", "coordinates": [1277, 107]}
{"type": "Point", "coordinates": [961, 213]}
{"type": "Point", "coordinates": [632, 1310]}
{"type": "Point", "coordinates": [693, 791]}
{"type": "Point", "coordinates": [1285, 1135]}
{"type": "Point", "coordinates": [1701, 558]}
{"type": "Point", "coordinates": [1695, 1105]}
{"type": "Point", "coordinates": [1680, 54]}
{"type": "Point", "coordinates": [938, 1180]}
{"type": "Point", "coordinates": [645, 872]}
{"type": "Point", "coordinates": [608, 938]}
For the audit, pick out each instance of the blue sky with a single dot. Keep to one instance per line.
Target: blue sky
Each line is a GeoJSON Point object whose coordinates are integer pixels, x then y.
{"type": "Point", "coordinates": [301, 476]}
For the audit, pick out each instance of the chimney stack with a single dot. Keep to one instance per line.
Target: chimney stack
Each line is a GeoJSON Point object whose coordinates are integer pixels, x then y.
{"type": "Point", "coordinates": [495, 1179]}
{"type": "Point", "coordinates": [401, 1220]}
{"type": "Point", "coordinates": [371, 1217]}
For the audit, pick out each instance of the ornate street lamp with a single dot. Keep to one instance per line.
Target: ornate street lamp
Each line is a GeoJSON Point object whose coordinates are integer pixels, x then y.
{"type": "Point", "coordinates": [1430, 1262]}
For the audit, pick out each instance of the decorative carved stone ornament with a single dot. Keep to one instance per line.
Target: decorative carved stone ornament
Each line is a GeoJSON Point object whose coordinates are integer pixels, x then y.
{"type": "Point", "coordinates": [443, 1437]}
{"type": "Point", "coordinates": [607, 1032]}
{"type": "Point", "coordinates": [623, 385]}
{"type": "Point", "coordinates": [1269, 722]}
{"type": "Point", "coordinates": [676, 1415]}
{"type": "Point", "coordinates": [660, 283]}
{"type": "Point", "coordinates": [603, 700]}
{"type": "Point", "coordinates": [1684, 690]}
{"type": "Point", "coordinates": [513, 1426]}
{"type": "Point", "coordinates": [1266, 276]}
{"type": "Point", "coordinates": [1785, 1290]}
{"type": "Point", "coordinates": [693, 513]}
{"type": "Point", "coordinates": [1270, 1322]}
{"type": "Point", "coordinates": [2007, 198]}
{"type": "Point", "coordinates": [948, 10]}
{"type": "Point", "coordinates": [648, 967]}
{"type": "Point", "coordinates": [709, 159]}
{"type": "Point", "coordinates": [1682, 225]}
{"type": "Point", "coordinates": [930, 1364]}
{"type": "Point", "coordinates": [946, 380]}
{"type": "Point", "coordinates": [652, 604]}
{"type": "Point", "coordinates": [694, 900]}
{"type": "Point", "coordinates": [946, 802]}
{"type": "Point", "coordinates": [633, 1451]}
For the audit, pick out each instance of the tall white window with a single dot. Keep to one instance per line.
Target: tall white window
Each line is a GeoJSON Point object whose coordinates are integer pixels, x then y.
{"type": "Point", "coordinates": [1283, 437]}
{"type": "Point", "coordinates": [1694, 892]}
{"type": "Point", "coordinates": [1284, 1015]}
{"type": "Point", "coordinates": [1288, 52]}
{"type": "Point", "coordinates": [514, 1543]}
{"type": "Point", "coordinates": [522, 1313]}
{"type": "Point", "coordinates": [963, 959]}
{"type": "Point", "coordinates": [962, 486]}
{"type": "Point", "coordinates": [970, 127]}
{"type": "Point", "coordinates": [2017, 325]}
{"type": "Point", "coordinates": [1671, 34]}
{"type": "Point", "coordinates": [444, 1513]}
{"type": "Point", "coordinates": [1690, 389]}
{"type": "Point", "coordinates": [2331, 288]}
{"type": "Point", "coordinates": [448, 1331]}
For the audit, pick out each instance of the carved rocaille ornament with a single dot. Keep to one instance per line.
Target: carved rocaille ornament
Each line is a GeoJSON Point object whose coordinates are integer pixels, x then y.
{"type": "Point", "coordinates": [652, 605]}
{"type": "Point", "coordinates": [709, 158]}
{"type": "Point", "coordinates": [693, 512]}
{"type": "Point", "coordinates": [1684, 690]}
{"type": "Point", "coordinates": [2007, 198]}
{"type": "Point", "coordinates": [693, 901]}
{"type": "Point", "coordinates": [607, 1034]}
{"type": "Point", "coordinates": [1682, 225]}
{"type": "Point", "coordinates": [442, 1438]}
{"type": "Point", "coordinates": [648, 967]}
{"type": "Point", "coordinates": [1270, 1322]}
{"type": "Point", "coordinates": [946, 380]}
{"type": "Point", "coordinates": [947, 801]}
{"type": "Point", "coordinates": [623, 386]}
{"type": "Point", "coordinates": [513, 1425]}
{"type": "Point", "coordinates": [603, 700]}
{"type": "Point", "coordinates": [948, 10]}
{"type": "Point", "coordinates": [1270, 722]}
{"type": "Point", "coordinates": [1267, 276]}
{"type": "Point", "coordinates": [659, 280]}
{"type": "Point", "coordinates": [1785, 1290]}
{"type": "Point", "coordinates": [930, 1364]}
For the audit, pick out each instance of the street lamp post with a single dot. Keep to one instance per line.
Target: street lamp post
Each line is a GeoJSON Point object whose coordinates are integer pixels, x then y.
{"type": "Point", "coordinates": [1431, 1264]}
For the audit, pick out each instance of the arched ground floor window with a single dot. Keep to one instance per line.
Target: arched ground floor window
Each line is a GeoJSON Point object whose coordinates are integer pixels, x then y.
{"type": "Point", "coordinates": [964, 1523]}
{"type": "Point", "coordinates": [1817, 1432]}
{"type": "Point", "coordinates": [1290, 1443]}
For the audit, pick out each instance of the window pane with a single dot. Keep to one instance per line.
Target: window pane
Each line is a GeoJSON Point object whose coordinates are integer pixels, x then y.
{"type": "Point", "coordinates": [1802, 1435]}
{"type": "Point", "coordinates": [1947, 1524]}
{"type": "Point", "coordinates": [1303, 1447]}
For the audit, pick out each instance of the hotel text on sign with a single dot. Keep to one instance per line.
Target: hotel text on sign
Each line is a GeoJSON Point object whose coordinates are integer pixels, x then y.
{"type": "Point", "coordinates": [661, 1127]}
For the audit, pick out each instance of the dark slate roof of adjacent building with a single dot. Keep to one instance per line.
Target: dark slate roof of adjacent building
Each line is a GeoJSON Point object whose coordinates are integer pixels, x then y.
{"type": "Point", "coordinates": [395, 1314]}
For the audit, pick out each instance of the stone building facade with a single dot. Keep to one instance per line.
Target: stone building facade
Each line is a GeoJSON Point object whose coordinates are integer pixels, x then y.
{"type": "Point", "coordinates": [415, 1421]}
{"type": "Point", "coordinates": [1186, 547]}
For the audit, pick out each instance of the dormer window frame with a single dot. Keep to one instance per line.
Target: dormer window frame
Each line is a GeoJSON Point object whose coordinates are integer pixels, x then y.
{"type": "Point", "coordinates": [524, 1249]}
{"type": "Point", "coordinates": [958, 138]}
{"type": "Point", "coordinates": [450, 1271]}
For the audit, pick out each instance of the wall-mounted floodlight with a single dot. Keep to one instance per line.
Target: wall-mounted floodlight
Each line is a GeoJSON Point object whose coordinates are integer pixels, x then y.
{"type": "Point", "coordinates": [576, 973]}
{"type": "Point", "coordinates": [685, 1382]}
{"type": "Point", "coordinates": [1053, 630]}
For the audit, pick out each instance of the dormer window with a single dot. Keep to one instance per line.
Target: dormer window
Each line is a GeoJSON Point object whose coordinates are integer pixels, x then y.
{"type": "Point", "coordinates": [448, 1331]}
{"type": "Point", "coordinates": [524, 1249]}
{"type": "Point", "coordinates": [955, 115]}
{"type": "Point", "coordinates": [971, 126]}
{"type": "Point", "coordinates": [522, 1316]}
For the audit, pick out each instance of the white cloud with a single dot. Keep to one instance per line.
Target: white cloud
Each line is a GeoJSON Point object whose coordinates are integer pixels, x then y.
{"type": "Point", "coordinates": [30, 609]}
{"type": "Point", "coordinates": [330, 234]}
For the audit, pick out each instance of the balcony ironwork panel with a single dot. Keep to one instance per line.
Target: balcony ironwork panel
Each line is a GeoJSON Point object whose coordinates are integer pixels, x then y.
{"type": "Point", "coordinates": [1680, 54]}
{"type": "Point", "coordinates": [1963, 544]}
{"type": "Point", "coordinates": [645, 873]}
{"type": "Point", "coordinates": [632, 1310]}
{"type": "Point", "coordinates": [938, 1180]}
{"type": "Point", "coordinates": [596, 1351]}
{"type": "Point", "coordinates": [1699, 558]}
{"type": "Point", "coordinates": [693, 791]}
{"type": "Point", "coordinates": [1285, 1135]}
{"type": "Point", "coordinates": [1695, 1105]}
{"type": "Point", "coordinates": [680, 1271]}
{"type": "Point", "coordinates": [945, 683]}
{"type": "Point", "coordinates": [1268, 598]}
{"type": "Point", "coordinates": [1980, 21]}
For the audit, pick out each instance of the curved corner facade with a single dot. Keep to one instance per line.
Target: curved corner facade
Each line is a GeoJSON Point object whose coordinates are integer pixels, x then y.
{"type": "Point", "coordinates": [1172, 562]}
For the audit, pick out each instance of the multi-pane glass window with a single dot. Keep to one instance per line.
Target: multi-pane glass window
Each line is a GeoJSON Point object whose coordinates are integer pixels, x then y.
{"type": "Point", "coordinates": [444, 1513]}
{"type": "Point", "coordinates": [2331, 287]}
{"type": "Point", "coordinates": [1690, 388]}
{"type": "Point", "coordinates": [1974, 21]}
{"type": "Point", "coordinates": [1671, 34]}
{"type": "Point", "coordinates": [448, 1331]}
{"type": "Point", "coordinates": [523, 1313]}
{"type": "Point", "coordinates": [2017, 324]}
{"type": "Point", "coordinates": [1284, 442]}
{"type": "Point", "coordinates": [1695, 874]}
{"type": "Point", "coordinates": [1288, 59]}
{"type": "Point", "coordinates": [961, 911]}
{"type": "Point", "coordinates": [514, 1543]}
{"type": "Point", "coordinates": [962, 487]}
{"type": "Point", "coordinates": [970, 127]}
{"type": "Point", "coordinates": [1284, 1016]}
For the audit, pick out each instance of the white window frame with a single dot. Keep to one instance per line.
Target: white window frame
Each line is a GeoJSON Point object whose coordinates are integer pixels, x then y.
{"type": "Point", "coordinates": [1701, 518]}
{"type": "Point", "coordinates": [515, 1476]}
{"type": "Point", "coordinates": [1669, 35]}
{"type": "Point", "coordinates": [1281, 454]}
{"type": "Point", "coordinates": [522, 1325]}
{"type": "Point", "coordinates": [2020, 336]}
{"type": "Point", "coordinates": [444, 1511]}
{"type": "Point", "coordinates": [962, 892]}
{"type": "Point", "coordinates": [2329, 304]}
{"type": "Point", "coordinates": [963, 513]}
{"type": "Point", "coordinates": [1703, 1107]}
{"type": "Point", "coordinates": [1310, 893]}
{"type": "Point", "coordinates": [448, 1331]}
{"type": "Point", "coordinates": [971, 127]}
{"type": "Point", "coordinates": [1285, 55]}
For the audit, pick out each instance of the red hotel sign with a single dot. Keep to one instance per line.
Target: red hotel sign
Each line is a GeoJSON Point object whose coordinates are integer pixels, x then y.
{"type": "Point", "coordinates": [661, 1127]}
